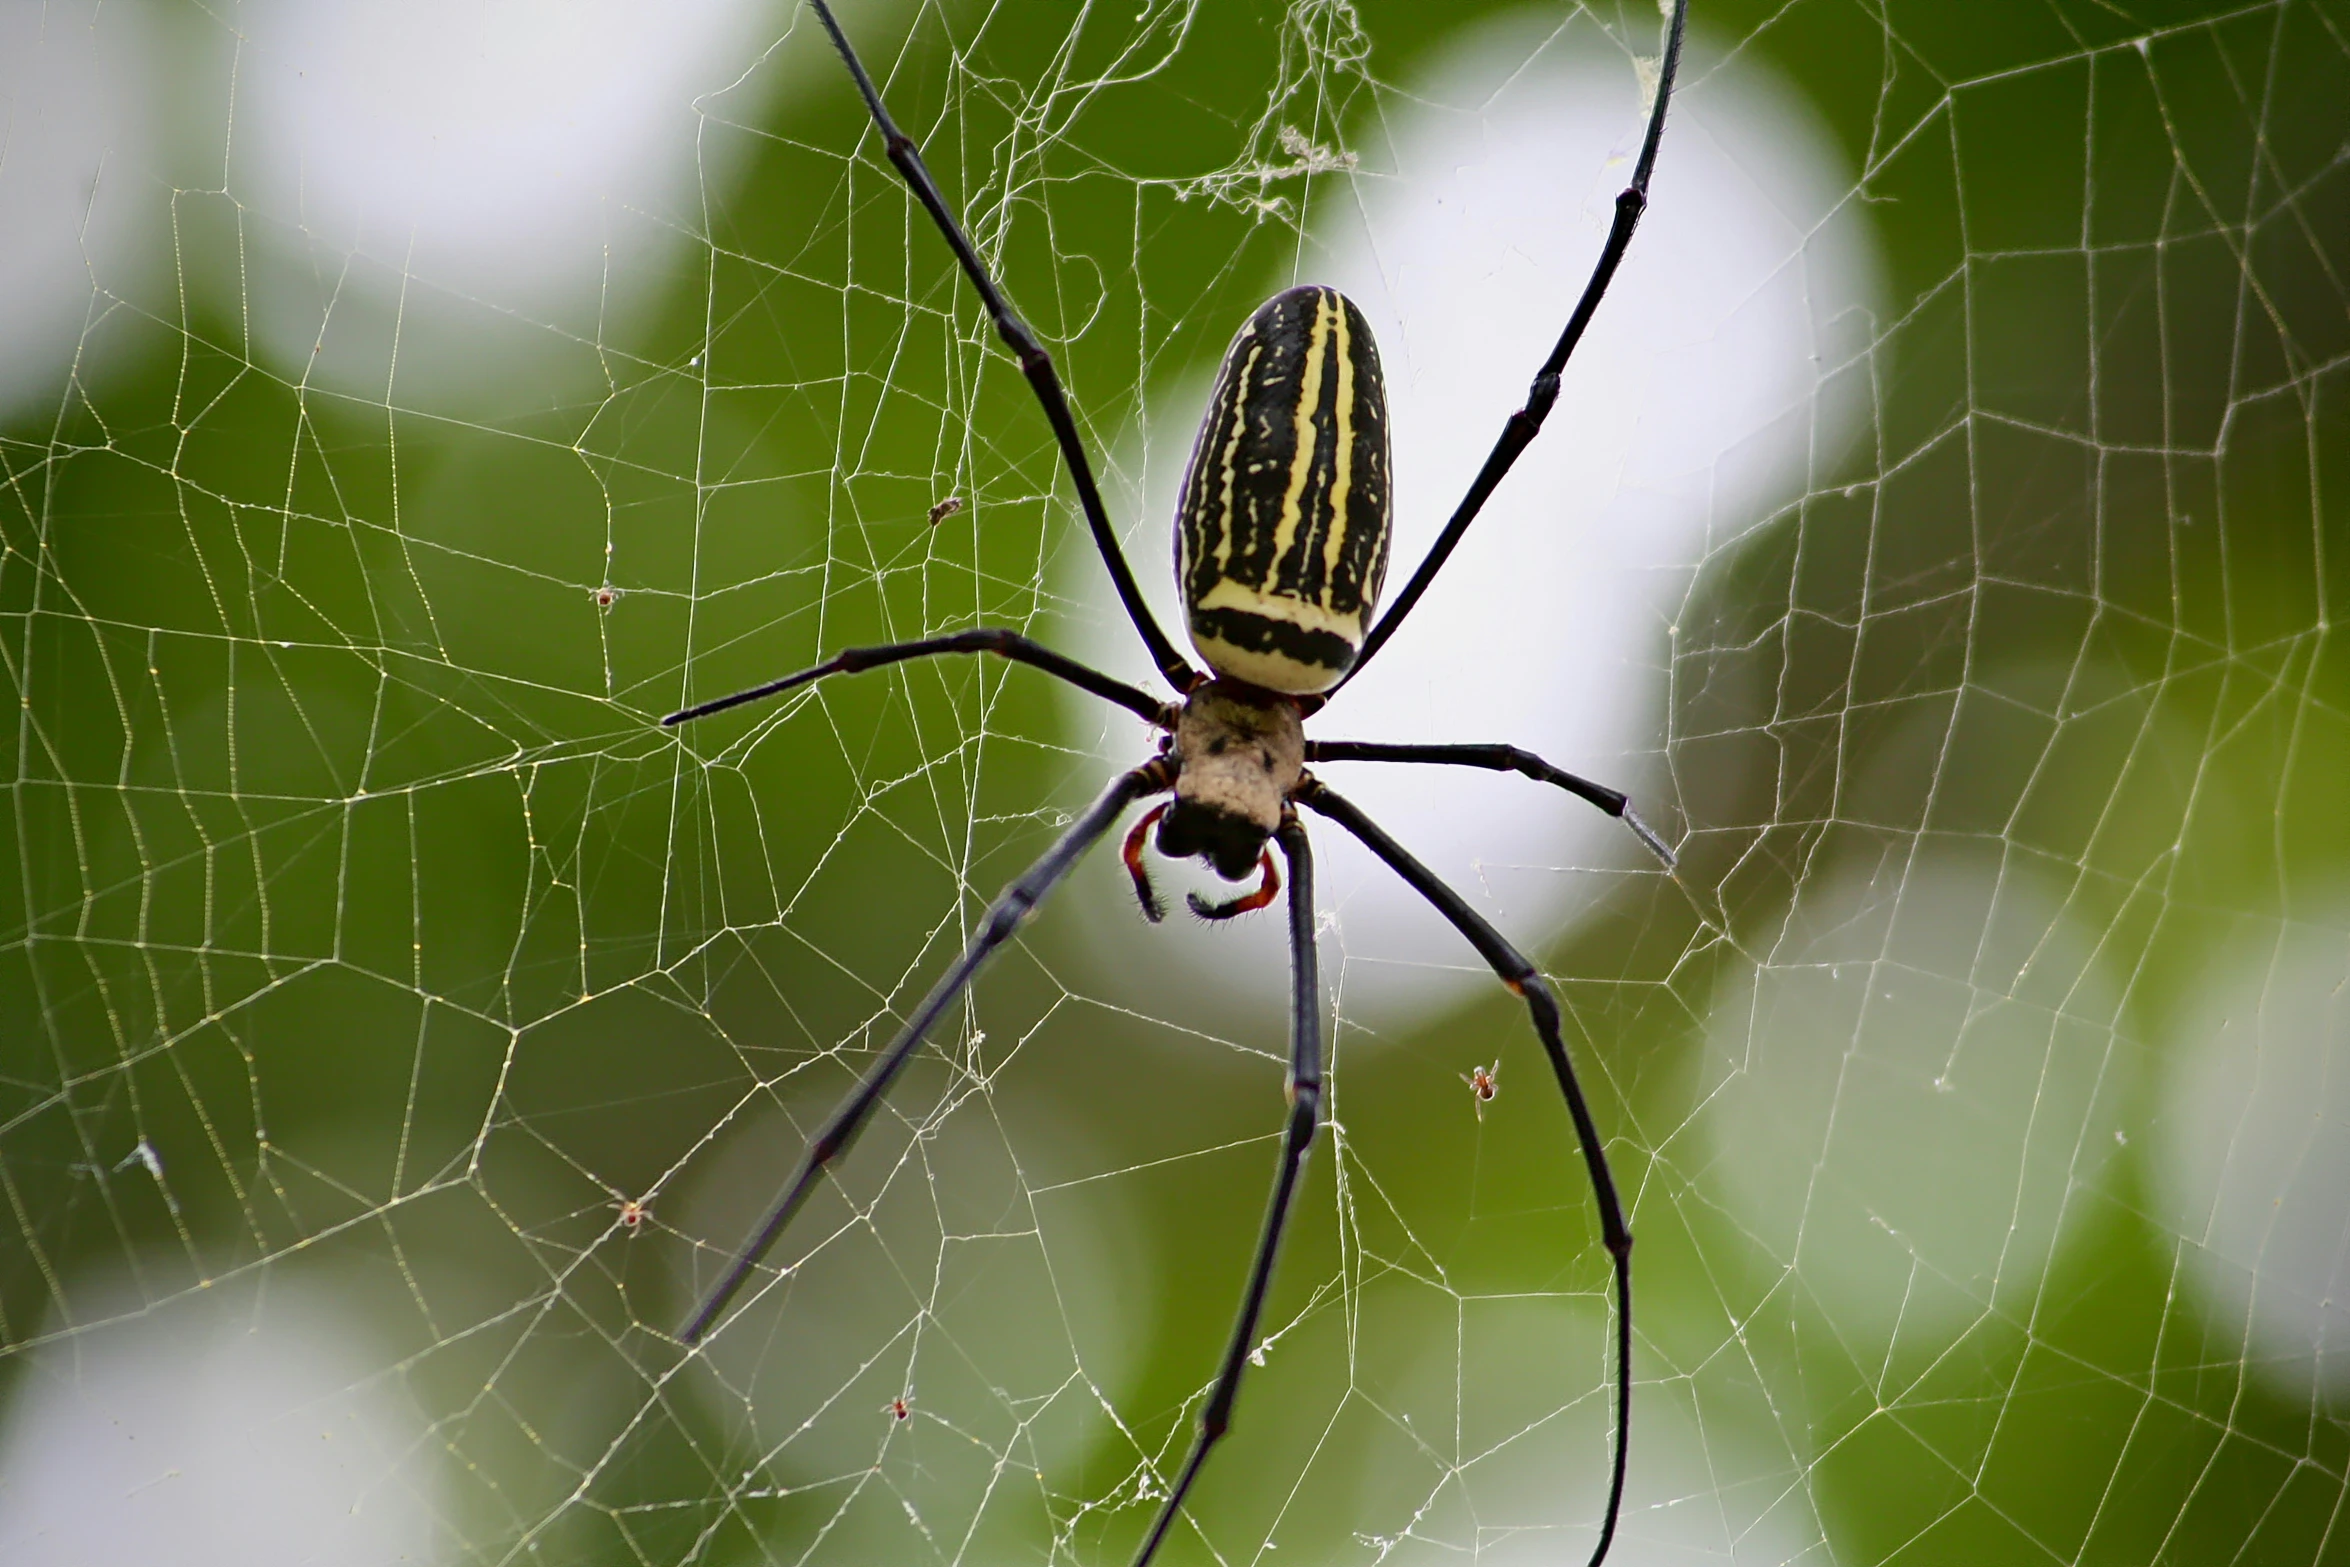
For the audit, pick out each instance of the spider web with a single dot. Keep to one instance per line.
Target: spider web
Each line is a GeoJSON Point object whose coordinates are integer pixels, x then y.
{"type": "Point", "coordinates": [402, 408]}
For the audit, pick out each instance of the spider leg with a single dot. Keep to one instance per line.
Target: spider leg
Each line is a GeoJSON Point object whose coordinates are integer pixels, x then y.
{"type": "Point", "coordinates": [1305, 1098]}
{"type": "Point", "coordinates": [1011, 906]}
{"type": "Point", "coordinates": [1523, 979]}
{"type": "Point", "coordinates": [1519, 431]}
{"type": "Point", "coordinates": [1035, 363]}
{"type": "Point", "coordinates": [1500, 759]}
{"type": "Point", "coordinates": [986, 639]}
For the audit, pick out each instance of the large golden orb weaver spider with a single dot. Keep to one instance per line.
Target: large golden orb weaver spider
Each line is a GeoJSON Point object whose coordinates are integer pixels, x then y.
{"type": "Point", "coordinates": [1281, 542]}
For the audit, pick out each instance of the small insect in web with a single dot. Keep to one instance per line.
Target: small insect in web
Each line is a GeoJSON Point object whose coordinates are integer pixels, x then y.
{"type": "Point", "coordinates": [1482, 1086]}
{"type": "Point", "coordinates": [1281, 536]}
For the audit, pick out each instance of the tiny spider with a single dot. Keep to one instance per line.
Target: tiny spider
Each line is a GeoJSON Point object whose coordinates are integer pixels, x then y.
{"type": "Point", "coordinates": [896, 1409]}
{"type": "Point", "coordinates": [1281, 544]}
{"type": "Point", "coordinates": [1482, 1086]}
{"type": "Point", "coordinates": [632, 1213]}
{"type": "Point", "coordinates": [607, 597]}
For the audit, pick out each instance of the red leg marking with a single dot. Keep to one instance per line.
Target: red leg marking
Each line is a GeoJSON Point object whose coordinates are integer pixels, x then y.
{"type": "Point", "coordinates": [1152, 909]}
{"type": "Point", "coordinates": [1248, 902]}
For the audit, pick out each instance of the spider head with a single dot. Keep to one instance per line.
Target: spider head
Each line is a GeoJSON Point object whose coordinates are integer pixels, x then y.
{"type": "Point", "coordinates": [1229, 843]}
{"type": "Point", "coordinates": [1240, 753]}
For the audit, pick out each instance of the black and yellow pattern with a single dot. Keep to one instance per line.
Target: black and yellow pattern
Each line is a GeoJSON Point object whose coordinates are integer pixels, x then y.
{"type": "Point", "coordinates": [1281, 534]}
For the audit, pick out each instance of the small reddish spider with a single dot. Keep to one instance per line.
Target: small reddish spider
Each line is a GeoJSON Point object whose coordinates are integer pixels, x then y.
{"type": "Point", "coordinates": [607, 597]}
{"type": "Point", "coordinates": [896, 1409]}
{"type": "Point", "coordinates": [1482, 1085]}
{"type": "Point", "coordinates": [632, 1214]}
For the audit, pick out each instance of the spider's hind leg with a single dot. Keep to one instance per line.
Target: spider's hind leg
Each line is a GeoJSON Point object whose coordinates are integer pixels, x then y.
{"type": "Point", "coordinates": [1004, 916]}
{"type": "Point", "coordinates": [1305, 1101]}
{"type": "Point", "coordinates": [1525, 981]}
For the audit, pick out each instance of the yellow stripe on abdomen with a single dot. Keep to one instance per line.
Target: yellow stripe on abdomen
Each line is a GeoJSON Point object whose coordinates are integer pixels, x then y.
{"type": "Point", "coordinates": [1281, 533]}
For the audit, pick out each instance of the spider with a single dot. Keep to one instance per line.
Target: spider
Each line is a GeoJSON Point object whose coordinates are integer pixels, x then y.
{"type": "Point", "coordinates": [1281, 542]}
{"type": "Point", "coordinates": [1482, 1086]}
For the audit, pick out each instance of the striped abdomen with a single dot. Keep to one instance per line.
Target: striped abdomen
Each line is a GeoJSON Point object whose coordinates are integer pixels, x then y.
{"type": "Point", "coordinates": [1281, 533]}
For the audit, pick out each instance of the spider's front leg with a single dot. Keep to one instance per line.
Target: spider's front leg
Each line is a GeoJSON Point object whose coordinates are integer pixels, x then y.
{"type": "Point", "coordinates": [1035, 363]}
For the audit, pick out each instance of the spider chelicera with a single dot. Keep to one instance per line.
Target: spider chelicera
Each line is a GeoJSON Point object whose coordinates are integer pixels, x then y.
{"type": "Point", "coordinates": [1281, 548]}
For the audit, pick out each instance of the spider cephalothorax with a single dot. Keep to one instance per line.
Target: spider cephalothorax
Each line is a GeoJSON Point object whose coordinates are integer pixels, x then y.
{"type": "Point", "coordinates": [1239, 754]}
{"type": "Point", "coordinates": [1281, 544]}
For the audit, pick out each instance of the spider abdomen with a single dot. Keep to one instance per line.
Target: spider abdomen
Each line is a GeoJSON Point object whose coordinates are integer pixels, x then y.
{"type": "Point", "coordinates": [1281, 532]}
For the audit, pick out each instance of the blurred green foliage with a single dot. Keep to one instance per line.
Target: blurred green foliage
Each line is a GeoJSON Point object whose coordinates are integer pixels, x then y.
{"type": "Point", "coordinates": [355, 879]}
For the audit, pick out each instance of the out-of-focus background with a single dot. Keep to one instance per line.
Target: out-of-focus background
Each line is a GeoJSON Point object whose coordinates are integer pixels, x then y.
{"type": "Point", "coordinates": [1941, 534]}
